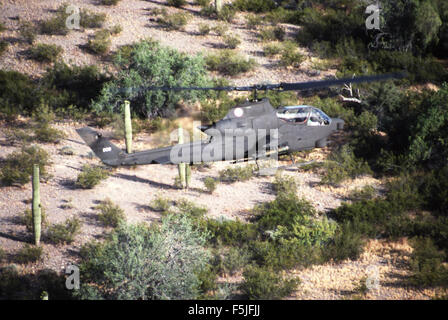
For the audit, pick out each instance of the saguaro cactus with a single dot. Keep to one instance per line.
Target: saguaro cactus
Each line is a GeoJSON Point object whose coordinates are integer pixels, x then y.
{"type": "Point", "coordinates": [128, 126]}
{"type": "Point", "coordinates": [37, 218]}
{"type": "Point", "coordinates": [181, 166]}
{"type": "Point", "coordinates": [218, 5]}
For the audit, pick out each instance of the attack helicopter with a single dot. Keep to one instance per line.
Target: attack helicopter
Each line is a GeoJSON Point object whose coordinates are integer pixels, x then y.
{"type": "Point", "coordinates": [251, 130]}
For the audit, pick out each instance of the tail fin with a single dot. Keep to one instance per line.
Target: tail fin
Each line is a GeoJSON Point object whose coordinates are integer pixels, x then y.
{"type": "Point", "coordinates": [109, 153]}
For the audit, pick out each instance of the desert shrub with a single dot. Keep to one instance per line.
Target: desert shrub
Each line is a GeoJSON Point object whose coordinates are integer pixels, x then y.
{"type": "Point", "coordinates": [110, 214]}
{"type": "Point", "coordinates": [29, 254]}
{"type": "Point", "coordinates": [160, 204]}
{"type": "Point", "coordinates": [291, 58]}
{"type": "Point", "coordinates": [91, 176]}
{"type": "Point", "coordinates": [2, 27]}
{"type": "Point", "coordinates": [231, 260]}
{"type": "Point", "coordinates": [229, 232]}
{"type": "Point", "coordinates": [265, 284]}
{"type": "Point", "coordinates": [18, 93]}
{"type": "Point", "coordinates": [364, 193]}
{"type": "Point", "coordinates": [100, 43]}
{"type": "Point", "coordinates": [282, 15]}
{"type": "Point", "coordinates": [208, 11]}
{"type": "Point", "coordinates": [81, 84]}
{"type": "Point", "coordinates": [17, 167]}
{"type": "Point", "coordinates": [190, 209]}
{"type": "Point", "coordinates": [2, 255]}
{"type": "Point", "coordinates": [426, 264]}
{"type": "Point", "coordinates": [344, 165]}
{"type": "Point", "coordinates": [229, 63]}
{"type": "Point", "coordinates": [3, 47]}
{"type": "Point", "coordinates": [116, 29]}
{"type": "Point", "coordinates": [284, 184]}
{"type": "Point", "coordinates": [46, 134]}
{"type": "Point", "coordinates": [137, 262]}
{"type": "Point", "coordinates": [433, 189]}
{"type": "Point", "coordinates": [148, 63]}
{"type": "Point", "coordinates": [237, 173]}
{"type": "Point", "coordinates": [55, 25]}
{"type": "Point", "coordinates": [174, 21]}
{"type": "Point", "coordinates": [232, 41]}
{"type": "Point", "coordinates": [27, 31]}
{"type": "Point", "coordinates": [253, 21]}
{"type": "Point", "coordinates": [257, 6]}
{"type": "Point", "coordinates": [27, 219]}
{"type": "Point", "coordinates": [109, 2]}
{"type": "Point", "coordinates": [64, 233]}
{"type": "Point", "coordinates": [347, 243]}
{"type": "Point", "coordinates": [221, 29]}
{"type": "Point", "coordinates": [177, 3]}
{"type": "Point", "coordinates": [202, 3]}
{"type": "Point", "coordinates": [91, 20]}
{"type": "Point", "coordinates": [204, 29]}
{"type": "Point", "coordinates": [227, 13]}
{"type": "Point", "coordinates": [272, 33]}
{"type": "Point", "coordinates": [43, 52]}
{"type": "Point", "coordinates": [210, 184]}
{"type": "Point", "coordinates": [272, 49]}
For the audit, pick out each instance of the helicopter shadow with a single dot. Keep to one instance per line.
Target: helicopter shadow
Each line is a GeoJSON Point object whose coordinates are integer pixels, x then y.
{"type": "Point", "coordinates": [144, 180]}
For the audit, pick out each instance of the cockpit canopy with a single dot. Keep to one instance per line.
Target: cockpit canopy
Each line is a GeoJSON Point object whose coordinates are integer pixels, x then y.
{"type": "Point", "coordinates": [303, 114]}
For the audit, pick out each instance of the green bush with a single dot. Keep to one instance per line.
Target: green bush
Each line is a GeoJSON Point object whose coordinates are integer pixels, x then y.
{"type": "Point", "coordinates": [64, 233]}
{"type": "Point", "coordinates": [2, 255]}
{"type": "Point", "coordinates": [46, 134]}
{"type": "Point", "coordinates": [174, 21]}
{"type": "Point", "coordinates": [177, 3]}
{"type": "Point", "coordinates": [17, 167]}
{"type": "Point", "coordinates": [229, 232]}
{"type": "Point", "coordinates": [91, 20]}
{"type": "Point", "coordinates": [27, 219]}
{"type": "Point", "coordinates": [284, 184]}
{"type": "Point", "coordinates": [272, 49]}
{"type": "Point", "coordinates": [231, 260]}
{"type": "Point", "coordinates": [161, 204]}
{"type": "Point", "coordinates": [253, 21]}
{"type": "Point", "coordinates": [204, 29]}
{"type": "Point", "coordinates": [55, 25]}
{"type": "Point", "coordinates": [149, 63]}
{"type": "Point", "coordinates": [3, 47]}
{"type": "Point", "coordinates": [111, 215]}
{"type": "Point", "coordinates": [116, 29]}
{"type": "Point", "coordinates": [29, 254]}
{"type": "Point", "coordinates": [257, 6]}
{"type": "Point", "coordinates": [141, 263]}
{"type": "Point", "coordinates": [229, 63]}
{"type": "Point", "coordinates": [202, 3]}
{"type": "Point", "coordinates": [91, 176]}
{"type": "Point", "coordinates": [272, 33]}
{"type": "Point", "coordinates": [43, 52]}
{"type": "Point", "coordinates": [2, 27]}
{"type": "Point", "coordinates": [232, 41]}
{"type": "Point", "coordinates": [291, 58]}
{"type": "Point", "coordinates": [27, 31]}
{"type": "Point", "coordinates": [18, 94]}
{"type": "Point", "coordinates": [227, 13]}
{"type": "Point", "coordinates": [81, 84]}
{"type": "Point", "coordinates": [190, 209]}
{"type": "Point", "coordinates": [210, 184]}
{"type": "Point", "coordinates": [426, 264]}
{"type": "Point", "coordinates": [264, 284]}
{"type": "Point", "coordinates": [343, 165]}
{"type": "Point", "coordinates": [100, 43]}
{"type": "Point", "coordinates": [364, 193]}
{"type": "Point", "coordinates": [347, 243]}
{"type": "Point", "coordinates": [109, 2]}
{"type": "Point", "coordinates": [221, 29]}
{"type": "Point", "coordinates": [237, 173]}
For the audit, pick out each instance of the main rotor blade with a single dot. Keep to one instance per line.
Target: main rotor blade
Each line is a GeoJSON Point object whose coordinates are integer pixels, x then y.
{"type": "Point", "coordinates": [334, 82]}
{"type": "Point", "coordinates": [298, 86]}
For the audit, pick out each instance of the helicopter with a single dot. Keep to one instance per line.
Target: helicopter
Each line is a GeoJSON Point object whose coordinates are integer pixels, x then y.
{"type": "Point", "coordinates": [250, 130]}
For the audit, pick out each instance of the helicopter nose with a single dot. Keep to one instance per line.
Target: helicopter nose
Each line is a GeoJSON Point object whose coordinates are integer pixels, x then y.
{"type": "Point", "coordinates": [339, 124]}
